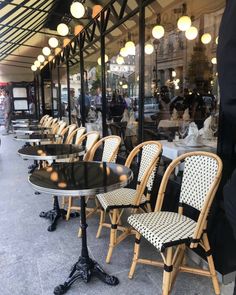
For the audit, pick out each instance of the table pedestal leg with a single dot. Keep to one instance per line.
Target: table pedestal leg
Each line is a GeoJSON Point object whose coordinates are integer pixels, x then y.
{"type": "Point", "coordinates": [85, 267]}
{"type": "Point", "coordinates": [55, 214]}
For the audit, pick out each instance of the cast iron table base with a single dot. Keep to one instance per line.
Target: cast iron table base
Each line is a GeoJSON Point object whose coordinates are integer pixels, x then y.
{"type": "Point", "coordinates": [55, 214]}
{"type": "Point", "coordinates": [85, 267]}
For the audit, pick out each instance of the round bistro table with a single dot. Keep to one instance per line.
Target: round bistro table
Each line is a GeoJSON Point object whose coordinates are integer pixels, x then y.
{"type": "Point", "coordinates": [36, 138]}
{"type": "Point", "coordinates": [81, 179]}
{"type": "Point", "coordinates": [31, 130]}
{"type": "Point", "coordinates": [51, 153]}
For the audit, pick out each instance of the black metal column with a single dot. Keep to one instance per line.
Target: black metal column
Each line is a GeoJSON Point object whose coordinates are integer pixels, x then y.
{"type": "Point", "coordinates": [42, 93]}
{"type": "Point", "coordinates": [82, 91]}
{"type": "Point", "coordinates": [51, 79]}
{"type": "Point", "coordinates": [68, 89]}
{"type": "Point", "coordinates": [103, 80]}
{"type": "Point", "coordinates": [59, 93]}
{"type": "Point", "coordinates": [36, 97]}
{"type": "Point", "coordinates": [141, 70]}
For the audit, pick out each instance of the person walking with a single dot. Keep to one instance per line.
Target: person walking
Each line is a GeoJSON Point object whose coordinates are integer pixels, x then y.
{"type": "Point", "coordinates": [7, 113]}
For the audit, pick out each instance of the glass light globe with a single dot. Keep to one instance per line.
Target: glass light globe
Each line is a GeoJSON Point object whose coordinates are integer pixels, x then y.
{"type": "Point", "coordinates": [96, 10]}
{"type": "Point", "coordinates": [120, 60]}
{"type": "Point", "coordinates": [123, 52]}
{"type": "Point", "coordinates": [184, 23]}
{"type": "Point", "coordinates": [33, 68]}
{"type": "Point", "coordinates": [191, 33]}
{"type": "Point", "coordinates": [41, 58]}
{"type": "Point", "coordinates": [131, 51]}
{"type": "Point", "coordinates": [46, 51]}
{"type": "Point", "coordinates": [100, 60]}
{"type": "Point", "coordinates": [130, 47]}
{"type": "Point", "coordinates": [148, 48]}
{"type": "Point", "coordinates": [217, 39]}
{"type": "Point", "coordinates": [125, 86]}
{"type": "Point", "coordinates": [214, 60]}
{"type": "Point", "coordinates": [158, 32]}
{"type": "Point", "coordinates": [62, 29]}
{"type": "Point", "coordinates": [53, 42]}
{"type": "Point", "coordinates": [77, 9]}
{"type": "Point", "coordinates": [37, 63]}
{"type": "Point", "coordinates": [174, 74]}
{"type": "Point", "coordinates": [206, 38]}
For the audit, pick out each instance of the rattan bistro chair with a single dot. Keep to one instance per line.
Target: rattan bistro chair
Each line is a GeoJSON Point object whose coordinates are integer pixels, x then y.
{"type": "Point", "coordinates": [88, 140]}
{"type": "Point", "coordinates": [75, 135]}
{"type": "Point", "coordinates": [110, 150]}
{"type": "Point", "coordinates": [43, 119]}
{"type": "Point", "coordinates": [115, 201]}
{"type": "Point", "coordinates": [170, 232]}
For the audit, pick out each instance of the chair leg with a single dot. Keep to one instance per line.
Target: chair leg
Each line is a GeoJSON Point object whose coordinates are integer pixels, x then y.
{"type": "Point", "coordinates": [102, 220]}
{"type": "Point", "coordinates": [136, 255]}
{"type": "Point", "coordinates": [148, 207]}
{"type": "Point", "coordinates": [167, 272]}
{"type": "Point", "coordinates": [211, 264]}
{"type": "Point", "coordinates": [113, 234]}
{"type": "Point", "coordinates": [69, 208]}
{"type": "Point", "coordinates": [63, 202]}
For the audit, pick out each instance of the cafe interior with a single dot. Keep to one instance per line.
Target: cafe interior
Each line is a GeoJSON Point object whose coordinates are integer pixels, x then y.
{"type": "Point", "coordinates": [114, 157]}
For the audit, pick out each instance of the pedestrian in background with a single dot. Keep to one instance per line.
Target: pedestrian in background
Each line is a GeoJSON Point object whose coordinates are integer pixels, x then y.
{"type": "Point", "coordinates": [7, 112]}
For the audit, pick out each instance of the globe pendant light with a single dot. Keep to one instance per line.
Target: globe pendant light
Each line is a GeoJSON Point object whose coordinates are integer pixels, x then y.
{"type": "Point", "coordinates": [158, 32]}
{"type": "Point", "coordinates": [37, 63]}
{"type": "Point", "coordinates": [41, 58]}
{"type": "Point", "coordinates": [191, 33]}
{"type": "Point", "coordinates": [214, 60]}
{"type": "Point", "coordinates": [46, 51]}
{"type": "Point", "coordinates": [33, 68]}
{"type": "Point", "coordinates": [149, 48]}
{"type": "Point", "coordinates": [96, 10]}
{"type": "Point", "coordinates": [53, 42]}
{"type": "Point", "coordinates": [206, 38]}
{"type": "Point", "coordinates": [184, 23]}
{"type": "Point", "coordinates": [130, 47]}
{"type": "Point", "coordinates": [100, 60]}
{"type": "Point", "coordinates": [120, 60]}
{"type": "Point", "coordinates": [77, 9]}
{"type": "Point", "coordinates": [123, 52]}
{"type": "Point", "coordinates": [62, 29]}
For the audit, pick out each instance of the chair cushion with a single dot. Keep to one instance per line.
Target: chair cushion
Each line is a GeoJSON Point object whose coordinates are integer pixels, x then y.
{"type": "Point", "coordinates": [120, 198]}
{"type": "Point", "coordinates": [163, 229]}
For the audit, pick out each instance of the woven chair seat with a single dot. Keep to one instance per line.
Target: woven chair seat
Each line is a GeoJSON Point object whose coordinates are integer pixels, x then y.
{"type": "Point", "coordinates": [163, 229]}
{"type": "Point", "coordinates": [120, 198]}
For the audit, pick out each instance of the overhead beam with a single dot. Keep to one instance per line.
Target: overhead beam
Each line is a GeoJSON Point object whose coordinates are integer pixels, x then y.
{"type": "Point", "coordinates": [8, 65]}
{"type": "Point", "coordinates": [17, 61]}
{"type": "Point", "coordinates": [21, 44]}
{"type": "Point", "coordinates": [45, 11]}
{"type": "Point", "coordinates": [18, 55]}
{"type": "Point", "coordinates": [29, 30]}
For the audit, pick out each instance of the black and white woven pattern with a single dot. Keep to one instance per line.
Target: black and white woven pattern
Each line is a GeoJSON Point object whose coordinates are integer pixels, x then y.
{"type": "Point", "coordinates": [109, 147]}
{"type": "Point", "coordinates": [163, 229]}
{"type": "Point", "coordinates": [91, 139]}
{"type": "Point", "coordinates": [79, 133]}
{"type": "Point", "coordinates": [120, 198]}
{"type": "Point", "coordinates": [199, 174]}
{"type": "Point", "coordinates": [149, 152]}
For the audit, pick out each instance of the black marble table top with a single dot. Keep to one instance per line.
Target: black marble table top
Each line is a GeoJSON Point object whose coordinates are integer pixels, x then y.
{"type": "Point", "coordinates": [80, 178]}
{"type": "Point", "coordinates": [51, 152]}
{"type": "Point", "coordinates": [36, 138]}
{"type": "Point", "coordinates": [32, 128]}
